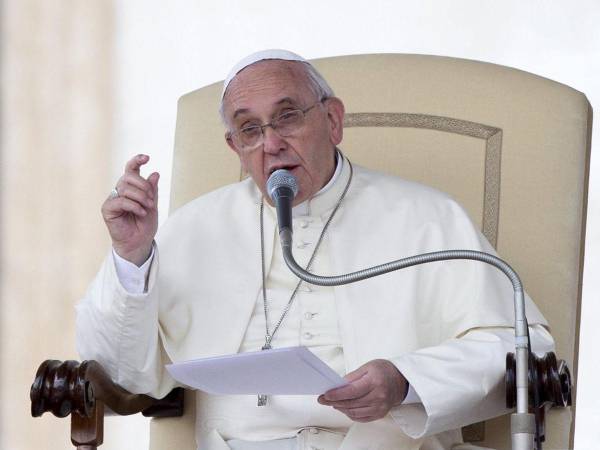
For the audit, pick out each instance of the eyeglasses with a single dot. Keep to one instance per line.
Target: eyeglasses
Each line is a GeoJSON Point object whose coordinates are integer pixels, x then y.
{"type": "Point", "coordinates": [285, 125]}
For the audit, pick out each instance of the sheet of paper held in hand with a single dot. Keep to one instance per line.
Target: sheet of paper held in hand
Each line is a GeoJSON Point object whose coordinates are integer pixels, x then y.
{"type": "Point", "coordinates": [280, 371]}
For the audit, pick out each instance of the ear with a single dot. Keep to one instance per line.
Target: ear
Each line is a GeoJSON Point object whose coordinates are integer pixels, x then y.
{"type": "Point", "coordinates": [335, 114]}
{"type": "Point", "coordinates": [231, 144]}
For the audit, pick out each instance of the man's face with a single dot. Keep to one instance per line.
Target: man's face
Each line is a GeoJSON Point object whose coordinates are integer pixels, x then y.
{"type": "Point", "coordinates": [265, 90]}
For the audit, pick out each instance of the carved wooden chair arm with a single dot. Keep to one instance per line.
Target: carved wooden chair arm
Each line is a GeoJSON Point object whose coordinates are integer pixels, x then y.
{"type": "Point", "coordinates": [82, 390]}
{"type": "Point", "coordinates": [550, 386]}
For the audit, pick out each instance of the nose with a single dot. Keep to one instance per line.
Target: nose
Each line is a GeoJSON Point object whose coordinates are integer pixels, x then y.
{"type": "Point", "coordinates": [272, 142]}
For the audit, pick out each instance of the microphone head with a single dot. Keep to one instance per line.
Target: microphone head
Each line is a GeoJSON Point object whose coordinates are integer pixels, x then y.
{"type": "Point", "coordinates": [281, 178]}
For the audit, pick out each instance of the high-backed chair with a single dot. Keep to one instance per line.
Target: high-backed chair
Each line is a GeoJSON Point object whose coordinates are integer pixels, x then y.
{"type": "Point", "coordinates": [512, 147]}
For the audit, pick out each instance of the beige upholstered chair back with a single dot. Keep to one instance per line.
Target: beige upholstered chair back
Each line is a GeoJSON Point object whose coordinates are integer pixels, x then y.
{"type": "Point", "coordinates": [512, 147]}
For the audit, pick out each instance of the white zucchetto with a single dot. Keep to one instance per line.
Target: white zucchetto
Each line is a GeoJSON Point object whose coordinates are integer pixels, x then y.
{"type": "Point", "coordinates": [260, 56]}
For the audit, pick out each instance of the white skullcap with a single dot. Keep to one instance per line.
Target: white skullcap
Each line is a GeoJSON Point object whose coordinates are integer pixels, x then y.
{"type": "Point", "coordinates": [260, 56]}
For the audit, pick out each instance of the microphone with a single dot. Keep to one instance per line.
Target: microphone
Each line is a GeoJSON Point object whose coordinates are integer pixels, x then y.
{"type": "Point", "coordinates": [282, 187]}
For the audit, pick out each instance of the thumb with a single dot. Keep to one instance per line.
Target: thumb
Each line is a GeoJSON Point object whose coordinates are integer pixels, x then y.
{"type": "Point", "coordinates": [356, 374]}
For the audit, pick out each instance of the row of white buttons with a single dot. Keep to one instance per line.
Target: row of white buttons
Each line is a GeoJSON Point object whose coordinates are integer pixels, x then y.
{"type": "Point", "coordinates": [301, 244]}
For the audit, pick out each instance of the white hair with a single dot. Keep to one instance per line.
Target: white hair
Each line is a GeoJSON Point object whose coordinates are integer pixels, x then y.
{"type": "Point", "coordinates": [316, 83]}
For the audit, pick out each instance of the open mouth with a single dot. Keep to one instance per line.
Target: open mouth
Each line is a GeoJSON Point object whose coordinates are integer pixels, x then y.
{"type": "Point", "coordinates": [290, 168]}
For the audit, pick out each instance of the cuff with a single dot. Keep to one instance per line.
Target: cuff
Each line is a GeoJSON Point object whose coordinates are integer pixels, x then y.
{"type": "Point", "coordinates": [132, 277]}
{"type": "Point", "coordinates": [411, 396]}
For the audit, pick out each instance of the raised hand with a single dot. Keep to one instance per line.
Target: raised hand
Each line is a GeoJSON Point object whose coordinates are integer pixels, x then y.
{"type": "Point", "coordinates": [373, 389]}
{"type": "Point", "coordinates": [132, 216]}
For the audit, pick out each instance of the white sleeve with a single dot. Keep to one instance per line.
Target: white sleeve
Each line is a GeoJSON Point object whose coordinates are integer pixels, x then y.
{"type": "Point", "coordinates": [119, 329]}
{"type": "Point", "coordinates": [411, 396]}
{"type": "Point", "coordinates": [460, 381]}
{"type": "Point", "coordinates": [132, 277]}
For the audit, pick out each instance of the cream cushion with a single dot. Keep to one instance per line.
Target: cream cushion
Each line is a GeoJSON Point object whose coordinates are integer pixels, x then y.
{"type": "Point", "coordinates": [512, 147]}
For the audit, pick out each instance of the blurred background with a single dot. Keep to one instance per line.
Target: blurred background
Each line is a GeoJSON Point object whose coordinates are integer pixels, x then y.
{"type": "Point", "coordinates": [86, 84]}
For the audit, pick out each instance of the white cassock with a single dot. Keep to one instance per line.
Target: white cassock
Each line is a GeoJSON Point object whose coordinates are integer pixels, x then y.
{"type": "Point", "coordinates": [447, 326]}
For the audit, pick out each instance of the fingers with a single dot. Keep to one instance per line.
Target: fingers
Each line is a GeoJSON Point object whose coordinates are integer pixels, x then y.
{"type": "Point", "coordinates": [373, 390]}
{"type": "Point", "coordinates": [134, 164]}
{"type": "Point", "coordinates": [133, 186]}
{"type": "Point", "coordinates": [143, 197]}
{"type": "Point", "coordinates": [372, 406]}
{"type": "Point", "coordinates": [368, 398]}
{"type": "Point", "coordinates": [363, 414]}
{"type": "Point", "coordinates": [119, 205]}
{"type": "Point", "coordinates": [130, 179]}
{"type": "Point", "coordinates": [359, 386]}
{"type": "Point", "coordinates": [356, 374]}
{"type": "Point", "coordinates": [135, 189]}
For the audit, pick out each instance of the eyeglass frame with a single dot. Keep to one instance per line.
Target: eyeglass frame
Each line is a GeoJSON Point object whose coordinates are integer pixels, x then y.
{"type": "Point", "coordinates": [273, 125]}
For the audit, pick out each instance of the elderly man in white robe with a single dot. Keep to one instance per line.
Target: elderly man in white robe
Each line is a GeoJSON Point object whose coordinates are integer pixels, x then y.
{"type": "Point", "coordinates": [422, 349]}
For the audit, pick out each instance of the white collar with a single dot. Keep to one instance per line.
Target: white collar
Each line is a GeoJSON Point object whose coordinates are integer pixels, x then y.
{"type": "Point", "coordinates": [317, 202]}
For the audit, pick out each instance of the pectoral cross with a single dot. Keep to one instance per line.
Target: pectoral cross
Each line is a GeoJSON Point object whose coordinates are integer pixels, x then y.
{"type": "Point", "coordinates": [262, 398]}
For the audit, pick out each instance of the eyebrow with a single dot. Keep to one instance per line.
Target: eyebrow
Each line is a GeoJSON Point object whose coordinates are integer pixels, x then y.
{"type": "Point", "coordinates": [280, 102]}
{"type": "Point", "coordinates": [286, 100]}
{"type": "Point", "coordinates": [240, 111]}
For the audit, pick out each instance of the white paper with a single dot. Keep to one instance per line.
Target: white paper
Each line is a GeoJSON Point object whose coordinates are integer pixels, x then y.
{"type": "Point", "coordinates": [281, 371]}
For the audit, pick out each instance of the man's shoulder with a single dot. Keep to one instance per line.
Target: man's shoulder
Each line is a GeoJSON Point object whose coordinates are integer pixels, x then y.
{"type": "Point", "coordinates": [398, 190]}
{"type": "Point", "coordinates": [417, 207]}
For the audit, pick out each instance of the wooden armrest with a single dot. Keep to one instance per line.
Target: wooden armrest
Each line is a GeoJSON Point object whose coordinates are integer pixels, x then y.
{"type": "Point", "coordinates": [549, 387]}
{"type": "Point", "coordinates": [82, 390]}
